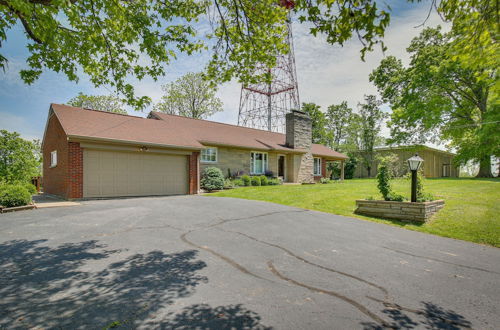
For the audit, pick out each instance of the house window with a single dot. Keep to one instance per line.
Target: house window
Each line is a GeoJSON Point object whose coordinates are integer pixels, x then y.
{"type": "Point", "coordinates": [53, 158]}
{"type": "Point", "coordinates": [317, 166]}
{"type": "Point", "coordinates": [258, 163]}
{"type": "Point", "coordinates": [209, 155]}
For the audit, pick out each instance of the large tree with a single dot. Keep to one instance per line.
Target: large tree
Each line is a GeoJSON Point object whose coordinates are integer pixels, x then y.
{"type": "Point", "coordinates": [365, 129]}
{"type": "Point", "coordinates": [108, 103]}
{"type": "Point", "coordinates": [318, 119]}
{"type": "Point", "coordinates": [439, 96]}
{"type": "Point", "coordinates": [191, 96]}
{"type": "Point", "coordinates": [114, 42]}
{"type": "Point", "coordinates": [19, 158]}
{"type": "Point", "coordinates": [337, 123]}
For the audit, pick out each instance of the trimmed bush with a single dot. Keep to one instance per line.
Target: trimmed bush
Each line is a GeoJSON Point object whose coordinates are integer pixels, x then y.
{"type": "Point", "coordinates": [324, 180]}
{"type": "Point", "coordinates": [12, 195]}
{"type": "Point", "coordinates": [264, 180]}
{"type": "Point", "coordinates": [238, 183]}
{"type": "Point", "coordinates": [246, 180]}
{"type": "Point", "coordinates": [228, 184]}
{"type": "Point", "coordinates": [273, 182]}
{"type": "Point", "coordinates": [256, 181]}
{"type": "Point", "coordinates": [212, 179]}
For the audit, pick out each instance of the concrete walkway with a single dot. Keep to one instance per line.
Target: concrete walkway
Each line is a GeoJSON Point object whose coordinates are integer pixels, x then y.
{"type": "Point", "coordinates": [43, 201]}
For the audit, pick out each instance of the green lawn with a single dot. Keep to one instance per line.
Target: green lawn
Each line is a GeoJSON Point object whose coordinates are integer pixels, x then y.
{"type": "Point", "coordinates": [471, 212]}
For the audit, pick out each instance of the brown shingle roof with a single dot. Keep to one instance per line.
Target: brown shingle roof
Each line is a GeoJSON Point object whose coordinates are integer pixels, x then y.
{"type": "Point", "coordinates": [171, 130]}
{"type": "Point", "coordinates": [78, 122]}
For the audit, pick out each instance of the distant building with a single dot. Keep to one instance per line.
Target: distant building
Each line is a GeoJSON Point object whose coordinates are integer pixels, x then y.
{"type": "Point", "coordinates": [437, 163]}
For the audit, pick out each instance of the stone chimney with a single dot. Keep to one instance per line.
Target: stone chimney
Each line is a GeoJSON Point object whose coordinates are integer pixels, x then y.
{"type": "Point", "coordinates": [298, 130]}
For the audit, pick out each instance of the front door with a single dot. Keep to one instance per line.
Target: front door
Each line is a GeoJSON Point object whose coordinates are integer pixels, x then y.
{"type": "Point", "coordinates": [281, 166]}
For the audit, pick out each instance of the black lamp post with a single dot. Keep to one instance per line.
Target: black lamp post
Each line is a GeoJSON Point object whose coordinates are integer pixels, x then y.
{"type": "Point", "coordinates": [414, 163]}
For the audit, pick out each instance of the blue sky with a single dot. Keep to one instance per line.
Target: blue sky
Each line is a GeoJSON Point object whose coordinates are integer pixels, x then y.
{"type": "Point", "coordinates": [326, 74]}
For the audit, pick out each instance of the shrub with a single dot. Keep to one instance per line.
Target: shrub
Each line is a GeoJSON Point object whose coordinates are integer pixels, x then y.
{"type": "Point", "coordinates": [31, 188]}
{"type": "Point", "coordinates": [246, 180]}
{"type": "Point", "coordinates": [238, 183]}
{"type": "Point", "coordinates": [384, 181]}
{"type": "Point", "coordinates": [228, 184]}
{"type": "Point", "coordinates": [256, 181]}
{"type": "Point", "coordinates": [212, 179]}
{"type": "Point", "coordinates": [350, 167]}
{"type": "Point", "coordinates": [324, 180]}
{"type": "Point", "coordinates": [12, 195]}
{"type": "Point", "coordinates": [425, 197]}
{"type": "Point", "coordinates": [395, 197]}
{"type": "Point", "coordinates": [264, 181]}
{"type": "Point", "coordinates": [274, 182]}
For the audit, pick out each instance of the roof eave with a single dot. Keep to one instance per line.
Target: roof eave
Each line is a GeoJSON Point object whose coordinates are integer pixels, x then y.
{"type": "Point", "coordinates": [131, 142]}
{"type": "Point", "coordinates": [219, 144]}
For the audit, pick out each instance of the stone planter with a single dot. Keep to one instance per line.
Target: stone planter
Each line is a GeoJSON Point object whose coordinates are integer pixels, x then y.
{"type": "Point", "coordinates": [405, 211]}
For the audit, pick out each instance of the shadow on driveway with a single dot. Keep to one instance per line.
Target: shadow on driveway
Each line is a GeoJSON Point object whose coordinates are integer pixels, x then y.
{"type": "Point", "coordinates": [54, 287]}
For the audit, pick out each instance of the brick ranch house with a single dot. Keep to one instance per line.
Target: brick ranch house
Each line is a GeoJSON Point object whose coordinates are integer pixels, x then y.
{"type": "Point", "coordinates": [92, 154]}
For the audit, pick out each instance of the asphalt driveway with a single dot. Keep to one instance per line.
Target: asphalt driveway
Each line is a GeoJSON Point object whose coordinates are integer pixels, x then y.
{"type": "Point", "coordinates": [214, 263]}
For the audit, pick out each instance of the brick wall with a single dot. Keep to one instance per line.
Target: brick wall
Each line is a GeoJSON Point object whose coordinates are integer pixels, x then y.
{"type": "Point", "coordinates": [194, 173]}
{"type": "Point", "coordinates": [66, 178]}
{"type": "Point", "coordinates": [74, 179]}
{"type": "Point", "coordinates": [54, 178]}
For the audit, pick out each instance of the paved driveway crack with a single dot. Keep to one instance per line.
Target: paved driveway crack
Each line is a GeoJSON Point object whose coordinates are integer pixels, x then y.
{"type": "Point", "coordinates": [443, 261]}
{"type": "Point", "coordinates": [382, 289]}
{"type": "Point", "coordinates": [348, 300]}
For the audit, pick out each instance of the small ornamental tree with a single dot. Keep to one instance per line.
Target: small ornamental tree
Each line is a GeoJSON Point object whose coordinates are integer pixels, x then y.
{"type": "Point", "coordinates": [384, 176]}
{"type": "Point", "coordinates": [212, 179]}
{"type": "Point", "coordinates": [384, 181]}
{"type": "Point", "coordinates": [350, 167]}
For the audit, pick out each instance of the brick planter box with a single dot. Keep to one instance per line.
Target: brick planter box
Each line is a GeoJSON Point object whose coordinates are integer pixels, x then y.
{"type": "Point", "coordinates": [405, 211]}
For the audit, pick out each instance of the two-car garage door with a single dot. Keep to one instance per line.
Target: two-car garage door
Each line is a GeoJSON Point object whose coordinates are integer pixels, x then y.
{"type": "Point", "coordinates": [113, 173]}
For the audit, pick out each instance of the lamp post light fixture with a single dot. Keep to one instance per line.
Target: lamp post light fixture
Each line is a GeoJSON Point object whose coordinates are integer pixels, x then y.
{"type": "Point", "coordinates": [414, 164]}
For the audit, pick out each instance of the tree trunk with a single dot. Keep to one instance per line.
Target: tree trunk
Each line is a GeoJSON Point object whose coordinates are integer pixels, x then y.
{"type": "Point", "coordinates": [369, 170]}
{"type": "Point", "coordinates": [485, 168]}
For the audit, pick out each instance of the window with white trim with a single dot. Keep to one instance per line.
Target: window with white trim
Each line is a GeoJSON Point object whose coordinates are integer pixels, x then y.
{"type": "Point", "coordinates": [258, 163]}
{"type": "Point", "coordinates": [209, 155]}
{"type": "Point", "coordinates": [53, 158]}
{"type": "Point", "coordinates": [317, 166]}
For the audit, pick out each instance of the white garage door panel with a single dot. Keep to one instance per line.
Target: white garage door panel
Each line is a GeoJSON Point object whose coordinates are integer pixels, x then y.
{"type": "Point", "coordinates": [111, 173]}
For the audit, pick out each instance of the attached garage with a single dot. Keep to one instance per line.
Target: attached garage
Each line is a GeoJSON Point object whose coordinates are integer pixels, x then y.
{"type": "Point", "coordinates": [117, 173]}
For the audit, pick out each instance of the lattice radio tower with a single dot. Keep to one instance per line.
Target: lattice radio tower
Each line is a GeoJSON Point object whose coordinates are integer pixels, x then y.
{"type": "Point", "coordinates": [264, 105]}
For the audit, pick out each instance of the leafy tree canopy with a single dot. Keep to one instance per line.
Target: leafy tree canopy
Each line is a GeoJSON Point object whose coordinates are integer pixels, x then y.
{"type": "Point", "coordinates": [115, 42]}
{"type": "Point", "coordinates": [190, 96]}
{"type": "Point", "coordinates": [338, 119]}
{"type": "Point", "coordinates": [318, 119]}
{"type": "Point", "coordinates": [19, 159]}
{"type": "Point", "coordinates": [106, 103]}
{"type": "Point", "coordinates": [365, 128]}
{"type": "Point", "coordinates": [443, 97]}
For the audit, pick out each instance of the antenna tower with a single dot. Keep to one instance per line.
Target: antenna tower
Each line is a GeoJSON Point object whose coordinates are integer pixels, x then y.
{"type": "Point", "coordinates": [264, 105]}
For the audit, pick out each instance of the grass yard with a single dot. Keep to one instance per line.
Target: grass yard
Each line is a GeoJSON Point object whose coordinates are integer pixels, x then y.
{"type": "Point", "coordinates": [471, 212]}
